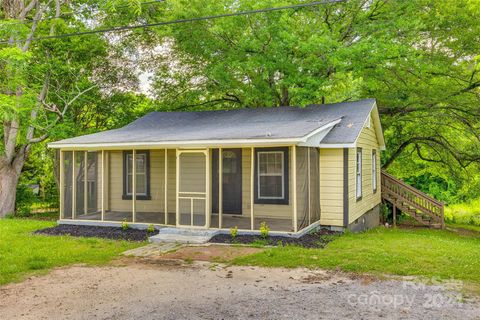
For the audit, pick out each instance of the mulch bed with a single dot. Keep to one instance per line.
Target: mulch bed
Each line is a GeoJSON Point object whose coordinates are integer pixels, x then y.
{"type": "Point", "coordinates": [318, 239]}
{"type": "Point", "coordinates": [115, 233]}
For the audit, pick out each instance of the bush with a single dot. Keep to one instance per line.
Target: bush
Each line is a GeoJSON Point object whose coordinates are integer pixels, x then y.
{"type": "Point", "coordinates": [264, 230]}
{"type": "Point", "coordinates": [24, 200]}
{"type": "Point", "coordinates": [151, 228]}
{"type": "Point", "coordinates": [234, 232]}
{"type": "Point", "coordinates": [125, 225]}
{"type": "Point", "coordinates": [464, 213]}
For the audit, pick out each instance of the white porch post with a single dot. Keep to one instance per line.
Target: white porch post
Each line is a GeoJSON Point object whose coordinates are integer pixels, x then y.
{"type": "Point", "coordinates": [166, 186]}
{"type": "Point", "coordinates": [252, 171]}
{"type": "Point", "coordinates": [308, 175]}
{"type": "Point", "coordinates": [220, 189]}
{"type": "Point", "coordinates": [208, 201]}
{"type": "Point", "coordinates": [61, 184]}
{"type": "Point", "coordinates": [74, 187]}
{"type": "Point", "coordinates": [294, 187]}
{"type": "Point", "coordinates": [103, 185]}
{"type": "Point", "coordinates": [177, 187]}
{"type": "Point", "coordinates": [134, 184]}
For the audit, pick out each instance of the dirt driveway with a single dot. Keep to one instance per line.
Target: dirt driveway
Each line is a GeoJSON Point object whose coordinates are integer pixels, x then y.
{"type": "Point", "coordinates": [167, 289]}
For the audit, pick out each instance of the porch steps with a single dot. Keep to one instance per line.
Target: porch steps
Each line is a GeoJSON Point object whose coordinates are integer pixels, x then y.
{"type": "Point", "coordinates": [183, 235]}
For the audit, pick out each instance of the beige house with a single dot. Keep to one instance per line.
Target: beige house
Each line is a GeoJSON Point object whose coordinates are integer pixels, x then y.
{"type": "Point", "coordinates": [292, 168]}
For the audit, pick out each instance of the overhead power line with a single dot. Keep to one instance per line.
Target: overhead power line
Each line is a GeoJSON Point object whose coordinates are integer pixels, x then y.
{"type": "Point", "coordinates": [178, 21]}
{"type": "Point", "coordinates": [62, 15]}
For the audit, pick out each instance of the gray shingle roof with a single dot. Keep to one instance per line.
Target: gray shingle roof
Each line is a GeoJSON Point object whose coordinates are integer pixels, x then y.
{"type": "Point", "coordinates": [253, 123]}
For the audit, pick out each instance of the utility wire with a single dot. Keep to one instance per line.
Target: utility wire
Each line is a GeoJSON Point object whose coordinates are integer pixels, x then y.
{"type": "Point", "coordinates": [178, 21]}
{"type": "Point", "coordinates": [62, 15]}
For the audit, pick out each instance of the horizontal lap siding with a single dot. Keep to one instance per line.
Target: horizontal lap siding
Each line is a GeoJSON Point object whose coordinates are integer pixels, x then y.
{"type": "Point", "coordinates": [157, 191]}
{"type": "Point", "coordinates": [331, 187]}
{"type": "Point", "coordinates": [263, 210]}
{"type": "Point", "coordinates": [367, 141]}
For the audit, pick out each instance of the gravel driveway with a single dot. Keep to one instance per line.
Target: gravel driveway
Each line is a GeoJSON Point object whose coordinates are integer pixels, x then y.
{"type": "Point", "coordinates": [138, 289]}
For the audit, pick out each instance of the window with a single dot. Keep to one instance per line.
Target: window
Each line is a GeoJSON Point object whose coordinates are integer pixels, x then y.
{"type": "Point", "coordinates": [271, 175]}
{"type": "Point", "coordinates": [142, 159]}
{"type": "Point", "coordinates": [374, 170]}
{"type": "Point", "coordinates": [358, 175]}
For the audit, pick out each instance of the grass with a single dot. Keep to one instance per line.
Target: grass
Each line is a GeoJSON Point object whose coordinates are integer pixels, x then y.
{"type": "Point", "coordinates": [464, 213]}
{"type": "Point", "coordinates": [23, 254]}
{"type": "Point", "coordinates": [420, 252]}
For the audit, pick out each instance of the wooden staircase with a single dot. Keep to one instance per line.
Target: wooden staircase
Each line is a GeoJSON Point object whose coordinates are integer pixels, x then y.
{"type": "Point", "coordinates": [420, 206]}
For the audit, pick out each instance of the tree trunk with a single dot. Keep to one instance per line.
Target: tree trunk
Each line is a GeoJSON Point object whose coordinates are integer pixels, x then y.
{"type": "Point", "coordinates": [8, 186]}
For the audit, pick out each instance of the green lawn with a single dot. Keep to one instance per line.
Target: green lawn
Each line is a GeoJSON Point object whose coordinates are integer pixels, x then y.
{"type": "Point", "coordinates": [421, 252]}
{"type": "Point", "coordinates": [23, 254]}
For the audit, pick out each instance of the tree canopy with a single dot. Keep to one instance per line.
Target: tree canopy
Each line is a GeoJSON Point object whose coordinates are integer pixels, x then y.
{"type": "Point", "coordinates": [419, 59]}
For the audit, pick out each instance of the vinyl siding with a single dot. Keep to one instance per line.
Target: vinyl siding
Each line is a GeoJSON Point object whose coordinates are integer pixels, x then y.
{"type": "Point", "coordinates": [331, 187]}
{"type": "Point", "coordinates": [367, 141]}
{"type": "Point", "coordinates": [263, 210]}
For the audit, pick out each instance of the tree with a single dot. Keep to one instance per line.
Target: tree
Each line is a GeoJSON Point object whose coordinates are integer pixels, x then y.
{"type": "Point", "coordinates": [419, 59]}
{"type": "Point", "coordinates": [39, 81]}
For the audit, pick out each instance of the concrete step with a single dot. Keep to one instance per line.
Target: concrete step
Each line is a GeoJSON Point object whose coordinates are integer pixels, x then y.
{"type": "Point", "coordinates": [183, 235]}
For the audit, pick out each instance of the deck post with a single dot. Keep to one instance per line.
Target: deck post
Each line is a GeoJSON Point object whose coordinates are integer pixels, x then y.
{"type": "Point", "coordinates": [74, 187]}
{"type": "Point", "coordinates": [177, 187]}
{"type": "Point", "coordinates": [394, 215]}
{"type": "Point", "coordinates": [294, 187]}
{"type": "Point", "coordinates": [252, 172]}
{"type": "Point", "coordinates": [103, 186]}
{"type": "Point", "coordinates": [166, 187]}
{"type": "Point", "coordinates": [61, 182]}
{"type": "Point", "coordinates": [220, 188]}
{"type": "Point", "coordinates": [134, 184]}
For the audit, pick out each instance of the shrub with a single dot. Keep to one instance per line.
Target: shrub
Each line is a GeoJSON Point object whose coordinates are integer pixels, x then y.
{"type": "Point", "coordinates": [151, 228]}
{"type": "Point", "coordinates": [264, 230]}
{"type": "Point", "coordinates": [125, 225]}
{"type": "Point", "coordinates": [234, 232]}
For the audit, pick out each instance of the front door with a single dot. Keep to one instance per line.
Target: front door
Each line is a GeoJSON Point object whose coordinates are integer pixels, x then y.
{"type": "Point", "coordinates": [231, 181]}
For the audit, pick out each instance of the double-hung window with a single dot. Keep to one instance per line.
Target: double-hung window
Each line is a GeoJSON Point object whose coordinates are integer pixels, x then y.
{"type": "Point", "coordinates": [142, 175]}
{"type": "Point", "coordinates": [374, 170]}
{"type": "Point", "coordinates": [271, 175]}
{"type": "Point", "coordinates": [358, 174]}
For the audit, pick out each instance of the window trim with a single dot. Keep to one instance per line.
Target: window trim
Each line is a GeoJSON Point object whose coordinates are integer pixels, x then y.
{"type": "Point", "coordinates": [357, 196]}
{"type": "Point", "coordinates": [126, 196]}
{"type": "Point", "coordinates": [374, 171]}
{"type": "Point", "coordinates": [285, 178]}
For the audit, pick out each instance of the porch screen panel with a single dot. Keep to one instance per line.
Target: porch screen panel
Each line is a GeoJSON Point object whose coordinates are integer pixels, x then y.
{"type": "Point", "coordinates": [80, 212]}
{"type": "Point", "coordinates": [92, 187]}
{"type": "Point", "coordinates": [67, 184]}
{"type": "Point", "coordinates": [117, 207]}
{"type": "Point", "coordinates": [302, 187]}
{"type": "Point", "coordinates": [192, 188]}
{"type": "Point", "coordinates": [314, 185]}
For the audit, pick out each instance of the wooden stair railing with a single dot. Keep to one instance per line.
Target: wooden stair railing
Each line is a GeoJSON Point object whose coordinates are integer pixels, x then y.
{"type": "Point", "coordinates": [420, 206]}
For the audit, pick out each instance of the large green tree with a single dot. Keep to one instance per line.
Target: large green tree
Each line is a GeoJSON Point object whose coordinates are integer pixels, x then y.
{"type": "Point", "coordinates": [419, 58]}
{"type": "Point", "coordinates": [40, 81]}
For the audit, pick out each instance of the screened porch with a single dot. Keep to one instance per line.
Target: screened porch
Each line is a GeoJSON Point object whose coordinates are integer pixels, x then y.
{"type": "Point", "coordinates": [217, 188]}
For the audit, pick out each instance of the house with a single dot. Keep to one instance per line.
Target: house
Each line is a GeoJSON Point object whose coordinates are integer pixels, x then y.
{"type": "Point", "coordinates": [290, 167]}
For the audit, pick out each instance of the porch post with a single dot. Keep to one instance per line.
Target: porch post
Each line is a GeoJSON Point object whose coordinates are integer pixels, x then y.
{"type": "Point", "coordinates": [74, 187]}
{"type": "Point", "coordinates": [308, 184]}
{"type": "Point", "coordinates": [103, 185]}
{"type": "Point", "coordinates": [252, 190]}
{"type": "Point", "coordinates": [294, 187]}
{"type": "Point", "coordinates": [166, 186]}
{"type": "Point", "coordinates": [220, 189]}
{"type": "Point", "coordinates": [134, 184]}
{"type": "Point", "coordinates": [177, 188]}
{"type": "Point", "coordinates": [85, 182]}
{"type": "Point", "coordinates": [207, 189]}
{"type": "Point", "coordinates": [62, 182]}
